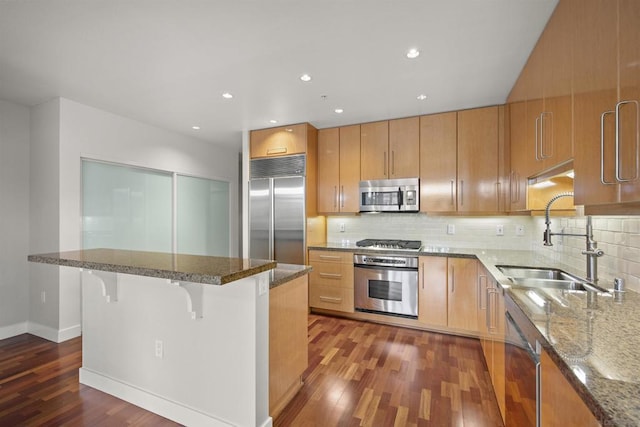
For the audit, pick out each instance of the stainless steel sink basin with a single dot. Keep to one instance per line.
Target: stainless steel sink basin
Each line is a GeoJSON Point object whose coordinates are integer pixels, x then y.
{"type": "Point", "coordinates": [534, 277]}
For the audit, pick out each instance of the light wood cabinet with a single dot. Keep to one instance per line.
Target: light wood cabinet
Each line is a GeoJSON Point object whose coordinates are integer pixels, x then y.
{"type": "Point", "coordinates": [288, 342]}
{"type": "Point", "coordinates": [438, 162]}
{"type": "Point", "coordinates": [561, 405]}
{"type": "Point", "coordinates": [339, 169]}
{"type": "Point", "coordinates": [280, 141]}
{"type": "Point", "coordinates": [478, 169]}
{"type": "Point", "coordinates": [432, 291]}
{"type": "Point", "coordinates": [521, 153]}
{"type": "Point", "coordinates": [462, 304]}
{"type": "Point", "coordinates": [331, 280]}
{"type": "Point", "coordinates": [390, 149]}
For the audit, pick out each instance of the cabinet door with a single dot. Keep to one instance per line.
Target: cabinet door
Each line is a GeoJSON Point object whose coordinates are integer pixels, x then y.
{"type": "Point", "coordinates": [478, 160]}
{"type": "Point", "coordinates": [520, 157]}
{"type": "Point", "coordinates": [404, 148]}
{"type": "Point", "coordinates": [629, 45]}
{"type": "Point", "coordinates": [432, 291]}
{"type": "Point", "coordinates": [374, 150]}
{"type": "Point", "coordinates": [438, 160]}
{"type": "Point", "coordinates": [595, 93]}
{"type": "Point", "coordinates": [561, 405]}
{"type": "Point", "coordinates": [280, 141]}
{"type": "Point", "coordinates": [349, 169]}
{"type": "Point", "coordinates": [328, 170]}
{"type": "Point", "coordinates": [462, 294]}
{"type": "Point", "coordinates": [498, 377]}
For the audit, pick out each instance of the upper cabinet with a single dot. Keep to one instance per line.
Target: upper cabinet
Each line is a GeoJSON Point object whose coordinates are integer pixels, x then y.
{"type": "Point", "coordinates": [606, 83]}
{"type": "Point", "coordinates": [478, 160]}
{"type": "Point", "coordinates": [338, 169]}
{"type": "Point", "coordinates": [390, 149]}
{"type": "Point", "coordinates": [280, 141]}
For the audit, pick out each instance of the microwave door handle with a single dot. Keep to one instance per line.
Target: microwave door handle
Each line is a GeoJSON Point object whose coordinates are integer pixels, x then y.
{"type": "Point", "coordinates": [399, 198]}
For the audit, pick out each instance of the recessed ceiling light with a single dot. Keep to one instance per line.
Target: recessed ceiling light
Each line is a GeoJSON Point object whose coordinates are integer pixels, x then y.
{"type": "Point", "coordinates": [305, 77]}
{"type": "Point", "coordinates": [227, 95]}
{"type": "Point", "coordinates": [272, 121]}
{"type": "Point", "coordinates": [339, 110]}
{"type": "Point", "coordinates": [195, 127]}
{"type": "Point", "coordinates": [413, 53]}
{"type": "Point", "coordinates": [422, 97]}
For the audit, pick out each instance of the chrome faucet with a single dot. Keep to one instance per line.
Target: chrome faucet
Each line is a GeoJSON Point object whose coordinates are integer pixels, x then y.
{"type": "Point", "coordinates": [592, 252]}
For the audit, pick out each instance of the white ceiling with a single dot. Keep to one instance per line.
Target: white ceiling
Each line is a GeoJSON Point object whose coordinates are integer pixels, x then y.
{"type": "Point", "coordinates": [167, 62]}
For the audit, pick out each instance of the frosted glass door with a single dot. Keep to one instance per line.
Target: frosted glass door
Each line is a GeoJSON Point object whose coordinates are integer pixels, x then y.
{"type": "Point", "coordinates": [202, 216]}
{"type": "Point", "coordinates": [126, 208]}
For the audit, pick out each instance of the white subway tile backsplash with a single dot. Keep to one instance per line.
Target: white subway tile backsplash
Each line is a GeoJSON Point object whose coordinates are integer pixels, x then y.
{"type": "Point", "coordinates": [618, 236]}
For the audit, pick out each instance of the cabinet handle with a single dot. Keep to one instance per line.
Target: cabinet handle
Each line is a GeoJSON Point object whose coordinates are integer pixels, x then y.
{"type": "Point", "coordinates": [453, 202]}
{"type": "Point", "coordinates": [487, 319]}
{"type": "Point", "coordinates": [393, 162]}
{"type": "Point", "coordinates": [618, 168]}
{"type": "Point", "coordinates": [518, 186]}
{"type": "Point", "coordinates": [480, 293]}
{"type": "Point", "coordinates": [331, 257]}
{"type": "Point", "coordinates": [453, 279]}
{"type": "Point", "coordinates": [542, 153]}
{"type": "Point", "coordinates": [498, 196]}
{"type": "Point", "coordinates": [330, 275]}
{"type": "Point", "coordinates": [384, 165]}
{"type": "Point", "coordinates": [421, 274]}
{"type": "Point", "coordinates": [335, 196]}
{"type": "Point", "coordinates": [332, 300]}
{"type": "Point", "coordinates": [342, 196]}
{"type": "Point", "coordinates": [462, 193]}
{"type": "Point", "coordinates": [537, 123]}
{"type": "Point", "coordinates": [602, 120]}
{"type": "Point", "coordinates": [277, 150]}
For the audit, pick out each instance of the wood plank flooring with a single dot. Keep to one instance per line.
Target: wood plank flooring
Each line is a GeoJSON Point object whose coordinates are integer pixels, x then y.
{"type": "Point", "coordinates": [359, 374]}
{"type": "Point", "coordinates": [365, 374]}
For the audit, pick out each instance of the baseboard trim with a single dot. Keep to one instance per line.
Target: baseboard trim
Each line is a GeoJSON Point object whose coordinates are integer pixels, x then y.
{"type": "Point", "coordinates": [151, 402]}
{"type": "Point", "coordinates": [13, 330]}
{"type": "Point", "coordinates": [69, 333]}
{"type": "Point", "coordinates": [43, 331]}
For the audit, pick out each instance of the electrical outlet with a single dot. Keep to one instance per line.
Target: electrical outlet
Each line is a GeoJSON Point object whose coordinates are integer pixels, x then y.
{"type": "Point", "coordinates": [159, 349]}
{"type": "Point", "coordinates": [451, 229]}
{"type": "Point", "coordinates": [342, 227]}
{"type": "Point", "coordinates": [519, 230]}
{"type": "Point", "coordinates": [43, 297]}
{"type": "Point", "coordinates": [499, 230]}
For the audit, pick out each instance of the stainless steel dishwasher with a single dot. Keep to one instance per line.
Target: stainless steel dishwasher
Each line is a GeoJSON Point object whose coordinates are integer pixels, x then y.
{"type": "Point", "coordinates": [522, 372]}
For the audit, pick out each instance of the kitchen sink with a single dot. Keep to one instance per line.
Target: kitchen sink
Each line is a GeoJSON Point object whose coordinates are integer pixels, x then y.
{"type": "Point", "coordinates": [535, 277]}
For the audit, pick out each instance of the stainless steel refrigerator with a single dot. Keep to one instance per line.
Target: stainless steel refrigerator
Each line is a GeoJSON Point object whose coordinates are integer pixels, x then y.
{"type": "Point", "coordinates": [277, 209]}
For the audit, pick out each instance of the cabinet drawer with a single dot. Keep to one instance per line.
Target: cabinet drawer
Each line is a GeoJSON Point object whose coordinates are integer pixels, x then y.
{"type": "Point", "coordinates": [332, 274]}
{"type": "Point", "coordinates": [331, 256]}
{"type": "Point", "coordinates": [331, 298]}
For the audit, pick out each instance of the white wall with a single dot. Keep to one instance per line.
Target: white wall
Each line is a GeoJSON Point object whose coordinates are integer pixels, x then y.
{"type": "Point", "coordinates": [85, 131]}
{"type": "Point", "coordinates": [14, 218]}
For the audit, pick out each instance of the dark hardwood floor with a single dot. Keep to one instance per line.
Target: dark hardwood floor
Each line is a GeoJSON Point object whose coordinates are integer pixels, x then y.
{"type": "Point", "coordinates": [359, 374]}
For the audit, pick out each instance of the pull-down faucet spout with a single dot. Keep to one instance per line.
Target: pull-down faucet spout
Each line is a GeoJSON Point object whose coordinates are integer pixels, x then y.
{"type": "Point", "coordinates": [592, 252]}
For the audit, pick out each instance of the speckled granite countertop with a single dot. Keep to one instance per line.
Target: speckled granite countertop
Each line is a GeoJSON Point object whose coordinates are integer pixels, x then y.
{"type": "Point", "coordinates": [189, 268]}
{"type": "Point", "coordinates": [284, 273]}
{"type": "Point", "coordinates": [592, 337]}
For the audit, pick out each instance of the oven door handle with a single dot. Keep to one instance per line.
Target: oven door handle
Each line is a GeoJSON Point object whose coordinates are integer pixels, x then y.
{"type": "Point", "coordinates": [400, 198]}
{"type": "Point", "coordinates": [385, 267]}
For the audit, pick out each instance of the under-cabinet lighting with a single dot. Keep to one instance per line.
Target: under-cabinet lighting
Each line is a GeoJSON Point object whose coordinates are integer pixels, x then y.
{"type": "Point", "coordinates": [571, 174]}
{"type": "Point", "coordinates": [543, 184]}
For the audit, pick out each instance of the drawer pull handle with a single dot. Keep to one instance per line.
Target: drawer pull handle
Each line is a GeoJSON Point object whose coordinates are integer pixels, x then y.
{"type": "Point", "coordinates": [331, 299]}
{"type": "Point", "coordinates": [277, 150]}
{"type": "Point", "coordinates": [331, 275]}
{"type": "Point", "coordinates": [331, 257]}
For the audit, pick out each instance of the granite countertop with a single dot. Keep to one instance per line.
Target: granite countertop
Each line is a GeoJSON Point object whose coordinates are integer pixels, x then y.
{"type": "Point", "coordinates": [284, 273]}
{"type": "Point", "coordinates": [591, 336]}
{"type": "Point", "coordinates": [211, 270]}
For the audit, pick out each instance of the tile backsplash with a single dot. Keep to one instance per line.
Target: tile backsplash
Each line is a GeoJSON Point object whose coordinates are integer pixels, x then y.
{"type": "Point", "coordinates": [617, 236]}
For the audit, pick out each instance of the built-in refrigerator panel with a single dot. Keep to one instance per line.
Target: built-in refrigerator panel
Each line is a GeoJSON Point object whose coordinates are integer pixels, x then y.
{"type": "Point", "coordinates": [289, 220]}
{"type": "Point", "coordinates": [277, 225]}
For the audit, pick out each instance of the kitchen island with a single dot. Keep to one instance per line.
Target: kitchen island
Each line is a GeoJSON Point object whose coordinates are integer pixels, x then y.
{"type": "Point", "coordinates": [183, 336]}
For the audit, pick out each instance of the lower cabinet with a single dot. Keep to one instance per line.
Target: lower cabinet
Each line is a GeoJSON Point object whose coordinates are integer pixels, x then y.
{"type": "Point", "coordinates": [491, 327]}
{"type": "Point", "coordinates": [288, 341]}
{"type": "Point", "coordinates": [561, 405]}
{"type": "Point", "coordinates": [447, 293]}
{"type": "Point", "coordinates": [331, 280]}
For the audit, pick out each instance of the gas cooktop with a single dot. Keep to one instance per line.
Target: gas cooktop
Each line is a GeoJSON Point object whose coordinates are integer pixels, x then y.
{"type": "Point", "coordinates": [407, 245]}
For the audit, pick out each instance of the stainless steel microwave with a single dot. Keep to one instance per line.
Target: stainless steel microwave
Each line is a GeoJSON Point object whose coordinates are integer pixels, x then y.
{"type": "Point", "coordinates": [390, 195]}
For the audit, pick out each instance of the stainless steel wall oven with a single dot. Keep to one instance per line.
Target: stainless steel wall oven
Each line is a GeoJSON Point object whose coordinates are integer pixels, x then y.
{"type": "Point", "coordinates": [386, 284]}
